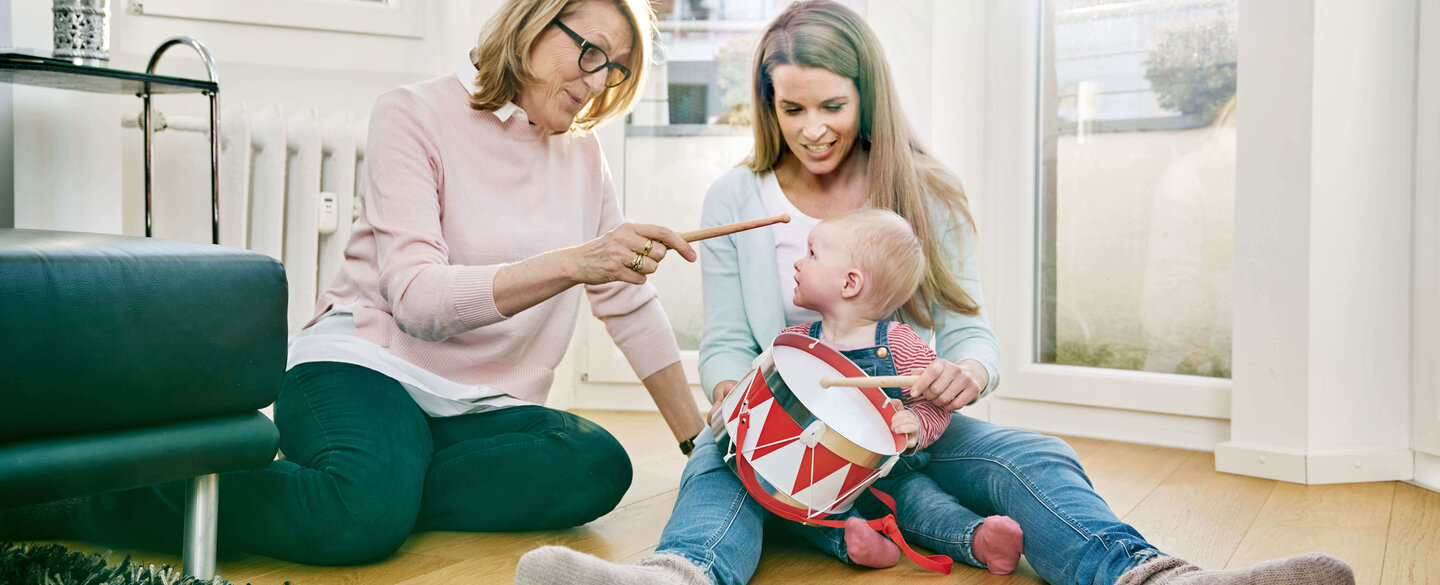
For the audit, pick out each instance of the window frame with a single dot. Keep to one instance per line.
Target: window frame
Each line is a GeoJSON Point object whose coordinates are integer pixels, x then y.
{"type": "Point", "coordinates": [1013, 235]}
{"type": "Point", "coordinates": [1425, 360]}
{"type": "Point", "coordinates": [396, 18]}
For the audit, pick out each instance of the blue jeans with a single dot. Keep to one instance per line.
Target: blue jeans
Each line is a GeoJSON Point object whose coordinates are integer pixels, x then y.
{"type": "Point", "coordinates": [1071, 536]}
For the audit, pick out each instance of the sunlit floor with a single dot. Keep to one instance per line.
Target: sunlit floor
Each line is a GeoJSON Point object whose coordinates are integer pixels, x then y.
{"type": "Point", "coordinates": [1389, 532]}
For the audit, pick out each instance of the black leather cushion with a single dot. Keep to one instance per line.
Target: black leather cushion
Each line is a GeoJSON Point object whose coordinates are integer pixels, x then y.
{"type": "Point", "coordinates": [108, 332]}
{"type": "Point", "coordinates": [77, 465]}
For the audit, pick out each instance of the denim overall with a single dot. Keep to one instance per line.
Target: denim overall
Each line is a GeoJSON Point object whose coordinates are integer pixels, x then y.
{"type": "Point", "coordinates": [879, 361]}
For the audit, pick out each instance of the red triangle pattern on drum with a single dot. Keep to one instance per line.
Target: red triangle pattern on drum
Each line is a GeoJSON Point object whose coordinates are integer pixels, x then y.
{"type": "Point", "coordinates": [857, 475]}
{"type": "Point", "coordinates": [825, 463]}
{"type": "Point", "coordinates": [743, 386]}
{"type": "Point", "coordinates": [735, 412]}
{"type": "Point", "coordinates": [824, 496]}
{"type": "Point", "coordinates": [774, 432]}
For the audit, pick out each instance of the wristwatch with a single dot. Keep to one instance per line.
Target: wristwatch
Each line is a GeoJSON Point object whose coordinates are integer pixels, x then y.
{"type": "Point", "coordinates": [688, 445]}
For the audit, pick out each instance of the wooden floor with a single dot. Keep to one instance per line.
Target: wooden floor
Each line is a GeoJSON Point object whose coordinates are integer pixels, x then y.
{"type": "Point", "coordinates": [1389, 532]}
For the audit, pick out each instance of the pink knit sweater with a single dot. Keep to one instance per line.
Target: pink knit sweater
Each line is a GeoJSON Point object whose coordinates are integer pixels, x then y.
{"type": "Point", "coordinates": [450, 195]}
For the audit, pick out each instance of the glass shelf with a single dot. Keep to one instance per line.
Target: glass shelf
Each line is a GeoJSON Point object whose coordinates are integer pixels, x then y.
{"type": "Point", "coordinates": [57, 74]}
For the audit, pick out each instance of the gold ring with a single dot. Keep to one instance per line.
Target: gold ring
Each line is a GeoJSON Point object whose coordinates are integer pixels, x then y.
{"type": "Point", "coordinates": [635, 264]}
{"type": "Point", "coordinates": [648, 244]}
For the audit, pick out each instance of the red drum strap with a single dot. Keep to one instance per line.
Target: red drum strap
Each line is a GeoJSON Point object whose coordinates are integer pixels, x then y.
{"type": "Point", "coordinates": [886, 525]}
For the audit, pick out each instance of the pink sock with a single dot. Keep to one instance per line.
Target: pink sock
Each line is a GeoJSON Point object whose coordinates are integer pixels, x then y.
{"type": "Point", "coordinates": [867, 547]}
{"type": "Point", "coordinates": [998, 543]}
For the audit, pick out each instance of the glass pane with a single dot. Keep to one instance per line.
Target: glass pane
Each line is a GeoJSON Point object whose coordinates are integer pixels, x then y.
{"type": "Point", "coordinates": [1137, 185]}
{"type": "Point", "coordinates": [691, 126]}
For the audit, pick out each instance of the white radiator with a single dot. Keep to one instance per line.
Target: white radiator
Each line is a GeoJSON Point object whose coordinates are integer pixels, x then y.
{"type": "Point", "coordinates": [287, 190]}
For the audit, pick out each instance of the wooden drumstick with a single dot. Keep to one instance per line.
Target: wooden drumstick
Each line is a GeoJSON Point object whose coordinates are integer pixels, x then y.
{"type": "Point", "coordinates": [730, 228]}
{"type": "Point", "coordinates": [871, 382]}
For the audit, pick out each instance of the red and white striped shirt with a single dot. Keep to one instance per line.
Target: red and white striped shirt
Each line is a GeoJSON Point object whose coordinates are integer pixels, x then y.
{"type": "Point", "coordinates": [909, 353]}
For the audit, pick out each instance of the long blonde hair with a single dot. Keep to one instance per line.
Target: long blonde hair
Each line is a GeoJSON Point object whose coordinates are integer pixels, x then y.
{"type": "Point", "coordinates": [900, 175]}
{"type": "Point", "coordinates": [502, 56]}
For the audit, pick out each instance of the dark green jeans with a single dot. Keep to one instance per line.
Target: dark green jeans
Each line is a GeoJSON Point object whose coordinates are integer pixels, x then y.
{"type": "Point", "coordinates": [364, 466]}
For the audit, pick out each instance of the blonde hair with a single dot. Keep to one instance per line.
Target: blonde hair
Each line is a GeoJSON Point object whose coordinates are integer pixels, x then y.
{"type": "Point", "coordinates": [502, 56]}
{"type": "Point", "coordinates": [900, 175]}
{"type": "Point", "coordinates": [885, 249]}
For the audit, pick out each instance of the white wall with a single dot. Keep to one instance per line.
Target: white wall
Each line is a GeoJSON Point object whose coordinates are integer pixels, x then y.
{"type": "Point", "coordinates": [1425, 351]}
{"type": "Point", "coordinates": [1325, 196]}
{"type": "Point", "coordinates": [904, 30]}
{"type": "Point", "coordinates": [60, 149]}
{"type": "Point", "coordinates": [1265, 364]}
{"type": "Point", "coordinates": [1360, 242]}
{"type": "Point", "coordinates": [58, 132]}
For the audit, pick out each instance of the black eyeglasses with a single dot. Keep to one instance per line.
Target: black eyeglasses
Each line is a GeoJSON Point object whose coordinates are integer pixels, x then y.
{"type": "Point", "coordinates": [593, 58]}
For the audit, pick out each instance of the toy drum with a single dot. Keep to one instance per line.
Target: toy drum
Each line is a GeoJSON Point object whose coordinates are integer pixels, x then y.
{"type": "Point", "coordinates": [812, 449]}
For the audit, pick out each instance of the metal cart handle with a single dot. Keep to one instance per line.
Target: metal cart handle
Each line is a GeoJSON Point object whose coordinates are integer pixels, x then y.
{"type": "Point", "coordinates": [214, 74]}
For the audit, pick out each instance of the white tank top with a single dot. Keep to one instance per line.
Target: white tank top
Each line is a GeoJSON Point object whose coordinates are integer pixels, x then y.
{"type": "Point", "coordinates": [791, 242]}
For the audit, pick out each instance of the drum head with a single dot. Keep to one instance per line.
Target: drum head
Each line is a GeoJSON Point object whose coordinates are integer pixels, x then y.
{"type": "Point", "coordinates": [849, 411]}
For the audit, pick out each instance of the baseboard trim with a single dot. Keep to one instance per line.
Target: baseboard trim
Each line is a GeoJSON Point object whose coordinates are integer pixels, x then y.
{"type": "Point", "coordinates": [1128, 426]}
{"type": "Point", "coordinates": [1256, 461]}
{"type": "Point", "coordinates": [1380, 465]}
{"type": "Point", "coordinates": [1270, 462]}
{"type": "Point", "coordinates": [1427, 471]}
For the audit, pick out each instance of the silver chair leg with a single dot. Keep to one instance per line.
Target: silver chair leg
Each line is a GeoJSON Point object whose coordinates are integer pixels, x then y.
{"type": "Point", "coordinates": [202, 502]}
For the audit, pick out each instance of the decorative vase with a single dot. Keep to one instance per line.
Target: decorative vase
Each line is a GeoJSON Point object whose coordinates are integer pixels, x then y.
{"type": "Point", "coordinates": [82, 31]}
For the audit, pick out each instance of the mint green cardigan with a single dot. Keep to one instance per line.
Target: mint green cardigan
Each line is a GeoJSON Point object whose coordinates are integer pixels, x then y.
{"type": "Point", "coordinates": [744, 309]}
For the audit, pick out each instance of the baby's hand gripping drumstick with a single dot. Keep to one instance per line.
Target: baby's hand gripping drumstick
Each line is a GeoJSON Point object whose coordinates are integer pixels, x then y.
{"type": "Point", "coordinates": [730, 228]}
{"type": "Point", "coordinates": [871, 382]}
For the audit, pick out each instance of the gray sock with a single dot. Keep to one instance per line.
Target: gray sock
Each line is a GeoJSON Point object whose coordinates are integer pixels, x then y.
{"type": "Point", "coordinates": [1306, 569]}
{"type": "Point", "coordinates": [557, 565]}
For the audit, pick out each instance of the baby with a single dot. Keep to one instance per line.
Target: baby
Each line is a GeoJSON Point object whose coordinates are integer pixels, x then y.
{"type": "Point", "coordinates": [860, 267]}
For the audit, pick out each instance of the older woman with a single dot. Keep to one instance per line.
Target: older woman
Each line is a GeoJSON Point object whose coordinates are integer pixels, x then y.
{"type": "Point", "coordinates": [830, 138]}
{"type": "Point", "coordinates": [413, 398]}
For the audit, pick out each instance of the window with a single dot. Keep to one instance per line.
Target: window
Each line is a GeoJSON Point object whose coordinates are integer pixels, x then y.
{"type": "Point", "coordinates": [1137, 185]}
{"type": "Point", "coordinates": [692, 128]}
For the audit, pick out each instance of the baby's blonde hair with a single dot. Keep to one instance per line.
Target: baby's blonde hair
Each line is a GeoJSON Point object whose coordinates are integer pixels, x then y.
{"type": "Point", "coordinates": [884, 247]}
